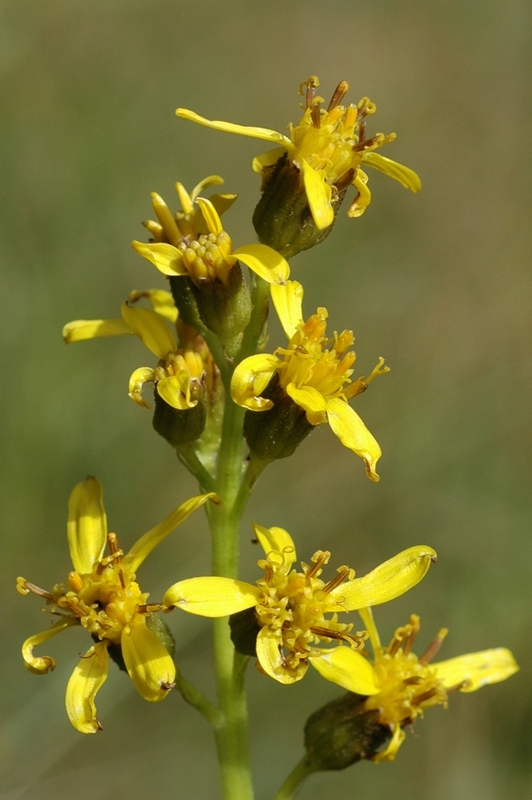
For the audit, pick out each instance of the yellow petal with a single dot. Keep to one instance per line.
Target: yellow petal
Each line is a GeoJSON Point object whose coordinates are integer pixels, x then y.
{"type": "Point", "coordinates": [143, 547]}
{"type": "Point", "coordinates": [389, 753]}
{"type": "Point", "coordinates": [348, 669]}
{"type": "Point", "coordinates": [288, 302]}
{"type": "Point", "coordinates": [271, 659]}
{"type": "Point", "coordinates": [406, 177]}
{"type": "Point", "coordinates": [478, 669]}
{"type": "Point", "coordinates": [165, 257]}
{"type": "Point", "coordinates": [210, 180]}
{"type": "Point", "coordinates": [42, 664]}
{"type": "Point", "coordinates": [212, 597]}
{"type": "Point", "coordinates": [349, 428]}
{"type": "Point", "coordinates": [278, 540]}
{"type": "Point", "coordinates": [210, 215]}
{"type": "Point", "coordinates": [160, 300]}
{"type": "Point", "coordinates": [148, 662]}
{"type": "Point", "coordinates": [80, 330]}
{"type": "Point", "coordinates": [87, 525]}
{"type": "Point", "coordinates": [250, 379]}
{"type": "Point", "coordinates": [175, 391]}
{"type": "Point", "coordinates": [260, 163]}
{"type": "Point", "coordinates": [243, 130]}
{"type": "Point", "coordinates": [137, 381]}
{"type": "Point", "coordinates": [388, 581]}
{"type": "Point", "coordinates": [151, 329]}
{"type": "Point", "coordinates": [222, 202]}
{"type": "Point", "coordinates": [311, 400]}
{"type": "Point", "coordinates": [264, 262]}
{"type": "Point", "coordinates": [318, 196]}
{"type": "Point", "coordinates": [88, 677]}
{"type": "Point", "coordinates": [363, 199]}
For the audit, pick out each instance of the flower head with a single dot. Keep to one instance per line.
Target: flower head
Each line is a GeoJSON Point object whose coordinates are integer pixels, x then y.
{"type": "Point", "coordinates": [408, 684]}
{"type": "Point", "coordinates": [194, 243]}
{"type": "Point", "coordinates": [102, 595]}
{"type": "Point", "coordinates": [296, 612]}
{"type": "Point", "coordinates": [314, 371]}
{"type": "Point", "coordinates": [328, 148]}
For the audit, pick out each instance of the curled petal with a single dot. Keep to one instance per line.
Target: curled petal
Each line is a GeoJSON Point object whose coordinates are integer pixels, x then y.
{"type": "Point", "coordinates": [264, 262]}
{"type": "Point", "coordinates": [260, 163]}
{"type": "Point", "coordinates": [243, 130]}
{"type": "Point", "coordinates": [137, 381]}
{"type": "Point", "coordinates": [88, 677]}
{"type": "Point", "coordinates": [475, 670]}
{"type": "Point", "coordinates": [250, 379]}
{"type": "Point", "coordinates": [151, 329]}
{"type": "Point", "coordinates": [277, 540]}
{"type": "Point", "coordinates": [288, 302]}
{"type": "Point", "coordinates": [389, 753]}
{"type": "Point", "coordinates": [175, 391]}
{"type": "Point", "coordinates": [311, 400]}
{"type": "Point", "coordinates": [80, 330]}
{"type": "Point", "coordinates": [210, 215]}
{"type": "Point", "coordinates": [42, 664]}
{"type": "Point", "coordinates": [271, 660]}
{"type": "Point", "coordinates": [212, 597]}
{"type": "Point", "coordinates": [160, 300]}
{"type": "Point", "coordinates": [349, 428]}
{"type": "Point", "coordinates": [143, 547]}
{"type": "Point", "coordinates": [348, 669]}
{"type": "Point", "coordinates": [165, 257]}
{"type": "Point", "coordinates": [406, 177]}
{"type": "Point", "coordinates": [222, 202]}
{"type": "Point", "coordinates": [210, 180]}
{"type": "Point", "coordinates": [363, 199]}
{"type": "Point", "coordinates": [388, 581]}
{"type": "Point", "coordinates": [148, 662]}
{"type": "Point", "coordinates": [87, 525]}
{"type": "Point", "coordinates": [318, 196]}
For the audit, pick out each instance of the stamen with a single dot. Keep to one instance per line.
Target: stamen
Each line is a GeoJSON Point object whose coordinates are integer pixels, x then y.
{"type": "Point", "coordinates": [433, 647]}
{"type": "Point", "coordinates": [310, 93]}
{"type": "Point", "coordinates": [339, 94]}
{"type": "Point", "coordinates": [340, 578]}
{"type": "Point", "coordinates": [316, 115]}
{"type": "Point", "coordinates": [150, 608]}
{"type": "Point", "coordinates": [428, 695]}
{"type": "Point", "coordinates": [24, 587]}
{"type": "Point", "coordinates": [112, 541]}
{"type": "Point", "coordinates": [320, 558]}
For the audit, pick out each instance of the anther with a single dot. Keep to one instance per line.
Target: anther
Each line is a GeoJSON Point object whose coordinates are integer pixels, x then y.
{"type": "Point", "coordinates": [338, 95]}
{"type": "Point", "coordinates": [24, 587]}
{"type": "Point", "coordinates": [340, 578]}
{"type": "Point", "coordinates": [433, 647]}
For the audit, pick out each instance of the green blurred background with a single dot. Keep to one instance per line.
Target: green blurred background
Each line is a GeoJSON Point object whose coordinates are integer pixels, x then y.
{"type": "Point", "coordinates": [438, 283]}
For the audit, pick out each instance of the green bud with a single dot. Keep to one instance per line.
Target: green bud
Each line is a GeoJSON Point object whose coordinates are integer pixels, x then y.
{"type": "Point", "coordinates": [277, 432]}
{"type": "Point", "coordinates": [282, 218]}
{"type": "Point", "coordinates": [185, 300]}
{"type": "Point", "coordinates": [343, 732]}
{"type": "Point", "coordinates": [224, 308]}
{"type": "Point", "coordinates": [244, 631]}
{"type": "Point", "coordinates": [176, 426]}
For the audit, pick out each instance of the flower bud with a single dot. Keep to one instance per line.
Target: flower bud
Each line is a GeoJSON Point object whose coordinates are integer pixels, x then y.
{"type": "Point", "coordinates": [179, 426]}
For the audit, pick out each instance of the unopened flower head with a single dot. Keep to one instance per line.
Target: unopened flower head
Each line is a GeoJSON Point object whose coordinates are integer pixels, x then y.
{"type": "Point", "coordinates": [326, 151]}
{"type": "Point", "coordinates": [102, 595]}
{"type": "Point", "coordinates": [408, 684]}
{"type": "Point", "coordinates": [314, 371]}
{"type": "Point", "coordinates": [297, 611]}
{"type": "Point", "coordinates": [194, 243]}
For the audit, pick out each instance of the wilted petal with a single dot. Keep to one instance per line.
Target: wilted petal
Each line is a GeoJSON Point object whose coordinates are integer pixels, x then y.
{"type": "Point", "coordinates": [265, 262]}
{"type": "Point", "coordinates": [250, 379]}
{"type": "Point", "coordinates": [230, 127]}
{"type": "Point", "coordinates": [137, 381]}
{"type": "Point", "coordinates": [476, 669]}
{"type": "Point", "coordinates": [80, 330]}
{"type": "Point", "coordinates": [406, 177]}
{"type": "Point", "coordinates": [87, 525]}
{"type": "Point", "coordinates": [318, 196]}
{"type": "Point", "coordinates": [151, 329]}
{"type": "Point", "coordinates": [288, 302]}
{"type": "Point", "coordinates": [88, 677]}
{"type": "Point", "coordinates": [388, 581]}
{"type": "Point", "coordinates": [143, 547]}
{"type": "Point", "coordinates": [42, 664]}
{"type": "Point", "coordinates": [212, 597]}
{"type": "Point", "coordinates": [148, 662]}
{"type": "Point", "coordinates": [165, 257]}
{"type": "Point", "coordinates": [311, 400]}
{"type": "Point", "coordinates": [349, 428]}
{"type": "Point", "coordinates": [278, 540]}
{"type": "Point", "coordinates": [271, 659]}
{"type": "Point", "coordinates": [348, 669]}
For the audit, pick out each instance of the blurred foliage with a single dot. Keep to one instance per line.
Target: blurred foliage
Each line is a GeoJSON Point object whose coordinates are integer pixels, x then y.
{"type": "Point", "coordinates": [440, 284]}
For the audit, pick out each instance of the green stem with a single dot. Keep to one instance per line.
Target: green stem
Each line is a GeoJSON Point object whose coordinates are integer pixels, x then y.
{"type": "Point", "coordinates": [294, 782]}
{"type": "Point", "coordinates": [261, 300]}
{"type": "Point", "coordinates": [196, 699]}
{"type": "Point", "coordinates": [188, 456]}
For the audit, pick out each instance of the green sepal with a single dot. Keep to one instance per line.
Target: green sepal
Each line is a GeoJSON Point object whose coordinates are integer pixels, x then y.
{"type": "Point", "coordinates": [244, 631]}
{"type": "Point", "coordinates": [225, 309]}
{"type": "Point", "coordinates": [176, 426]}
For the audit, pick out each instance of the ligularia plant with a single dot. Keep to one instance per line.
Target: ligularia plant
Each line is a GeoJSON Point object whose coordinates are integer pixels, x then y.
{"type": "Point", "coordinates": [230, 402]}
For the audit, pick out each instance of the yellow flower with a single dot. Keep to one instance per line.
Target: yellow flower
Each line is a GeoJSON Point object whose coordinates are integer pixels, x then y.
{"type": "Point", "coordinates": [102, 595]}
{"type": "Point", "coordinates": [180, 373]}
{"type": "Point", "coordinates": [407, 685]}
{"type": "Point", "coordinates": [292, 608]}
{"type": "Point", "coordinates": [314, 371]}
{"type": "Point", "coordinates": [194, 243]}
{"type": "Point", "coordinates": [328, 148]}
